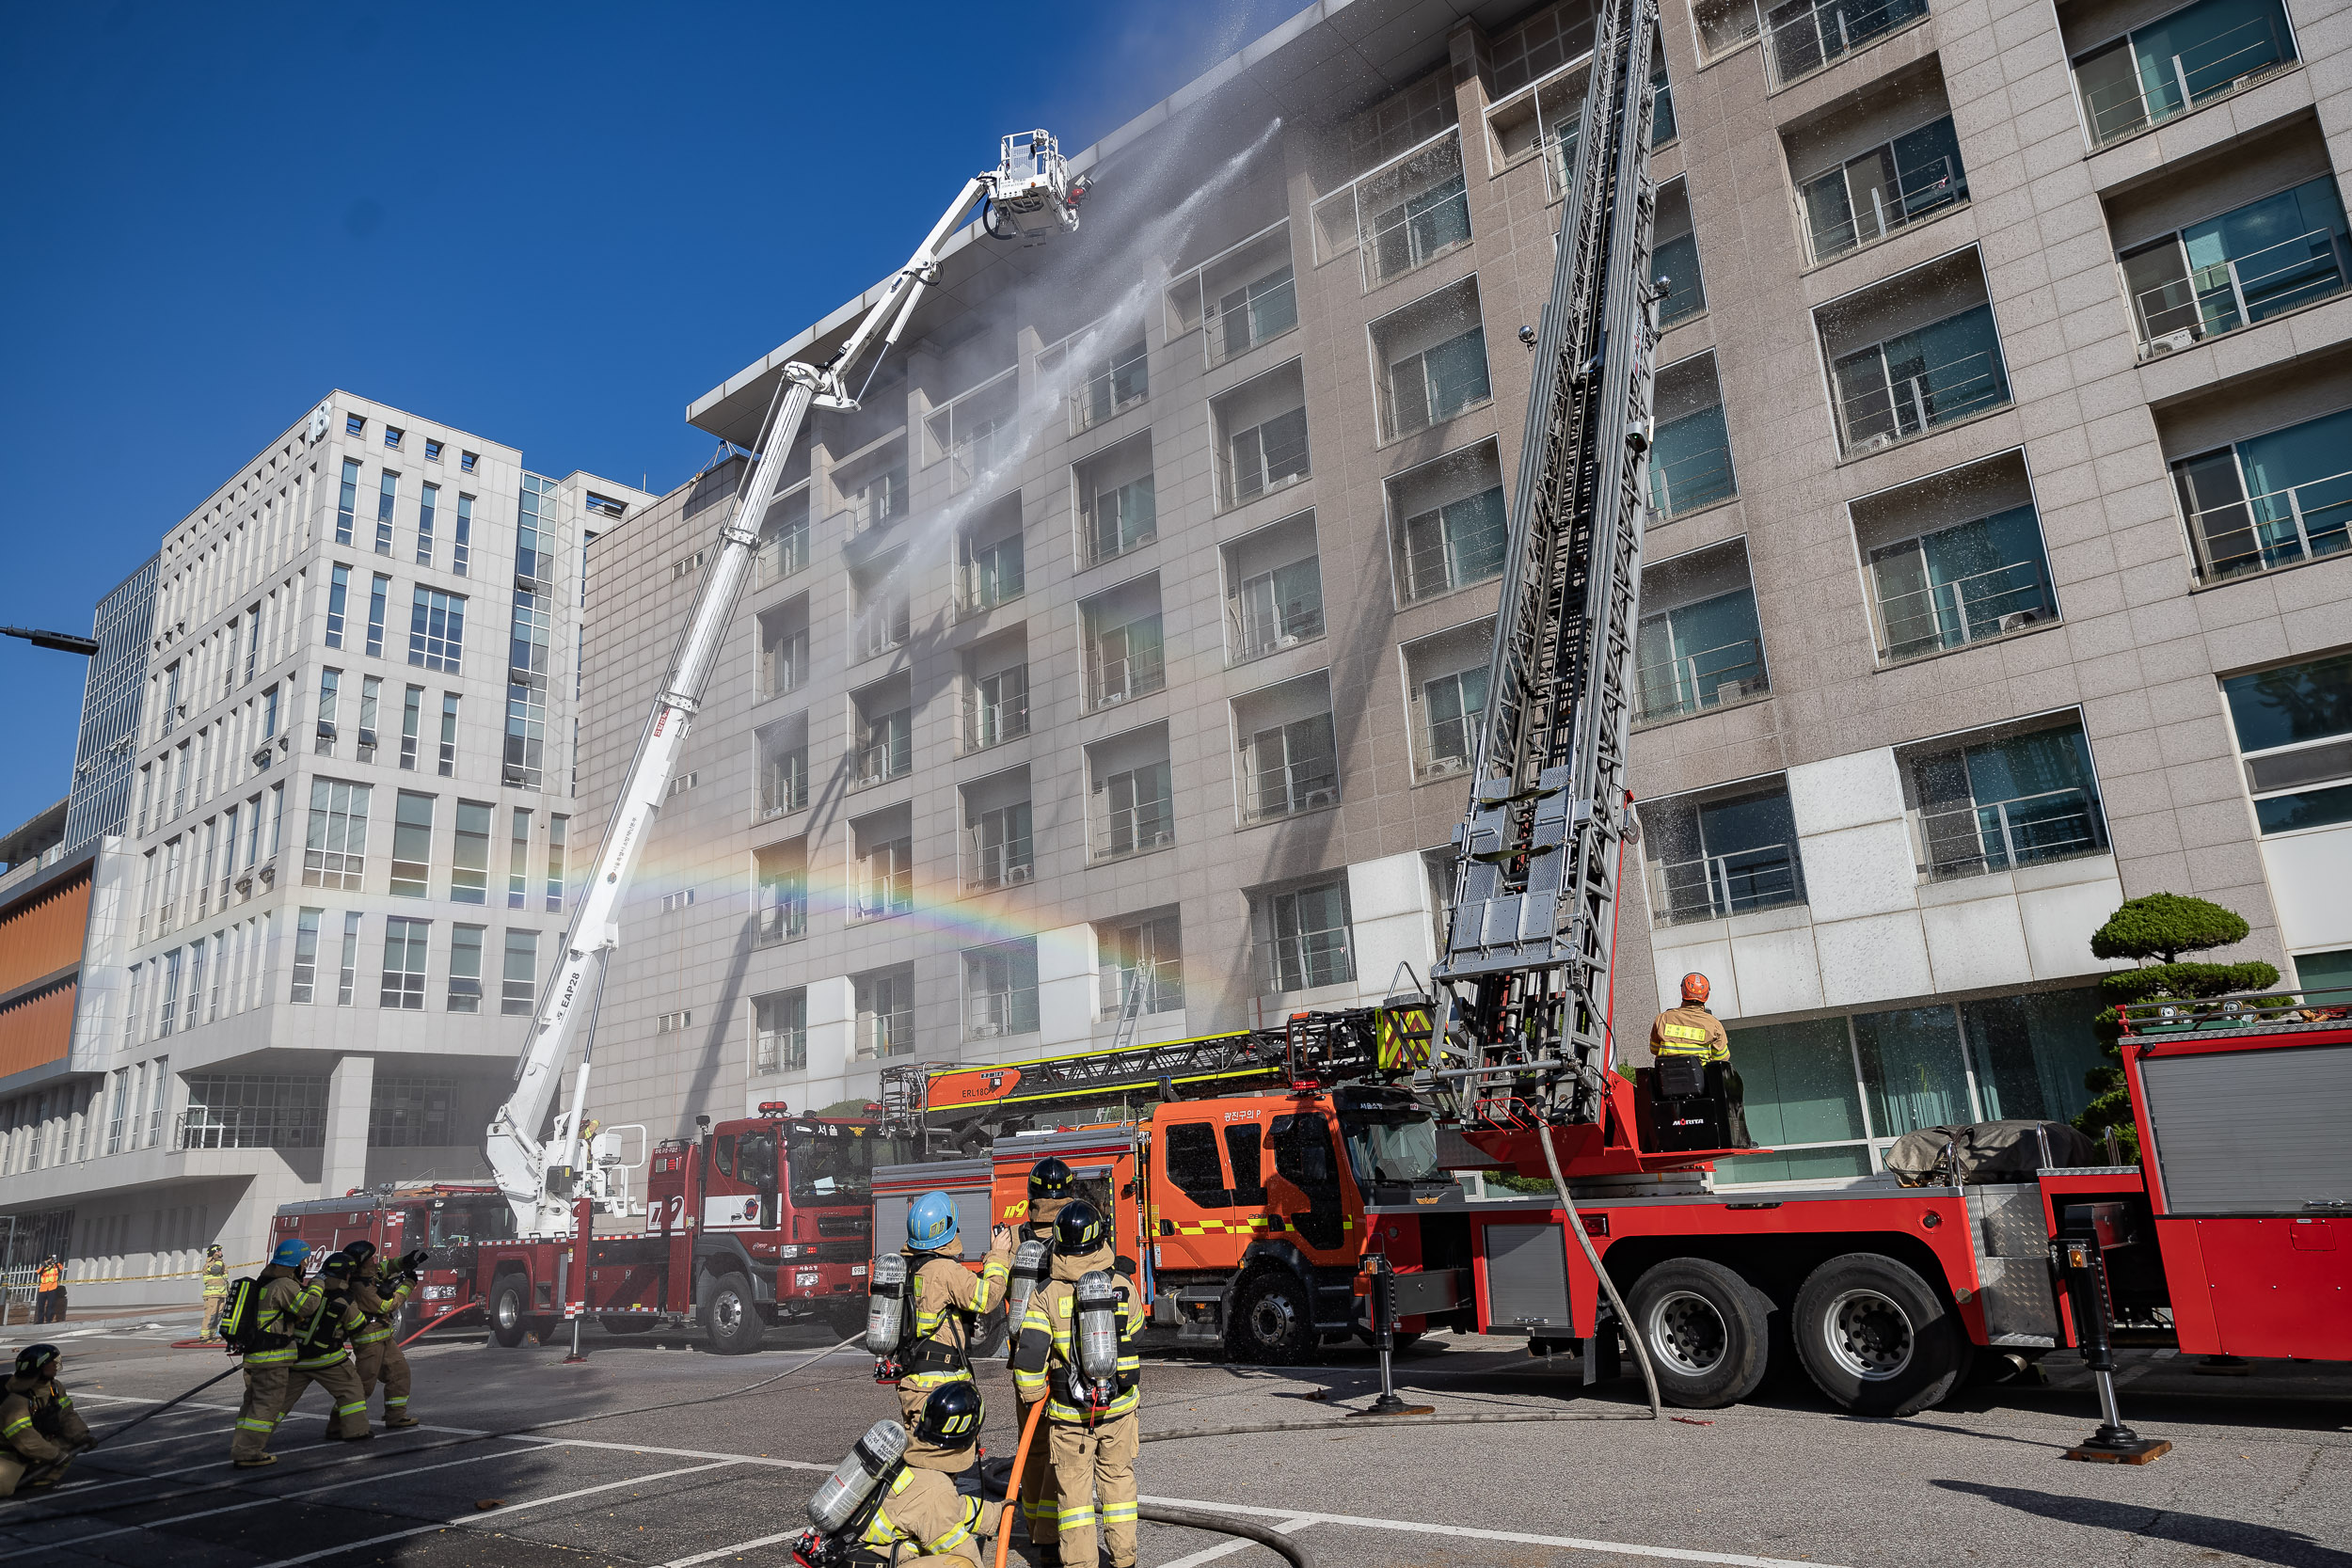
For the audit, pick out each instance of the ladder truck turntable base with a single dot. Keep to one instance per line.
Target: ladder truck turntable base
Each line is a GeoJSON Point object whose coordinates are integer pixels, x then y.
{"type": "Point", "coordinates": [1267, 1167]}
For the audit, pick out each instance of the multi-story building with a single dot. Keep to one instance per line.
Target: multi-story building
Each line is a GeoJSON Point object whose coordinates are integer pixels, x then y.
{"type": "Point", "coordinates": [105, 752]}
{"type": "Point", "coordinates": [347, 847]}
{"type": "Point", "coordinates": [1129, 646]}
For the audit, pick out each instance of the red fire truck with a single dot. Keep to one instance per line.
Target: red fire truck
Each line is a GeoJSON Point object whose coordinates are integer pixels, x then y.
{"type": "Point", "coordinates": [747, 1224]}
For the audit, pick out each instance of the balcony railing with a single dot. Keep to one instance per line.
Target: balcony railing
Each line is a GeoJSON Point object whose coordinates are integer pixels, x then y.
{"type": "Point", "coordinates": [884, 1034]}
{"type": "Point", "coordinates": [2278, 528]}
{"type": "Point", "coordinates": [1300, 791]}
{"type": "Point", "coordinates": [783, 665]}
{"type": "Point", "coordinates": [1105, 397]}
{"type": "Point", "coordinates": [1819, 36]}
{"type": "Point", "coordinates": [782, 552]}
{"type": "Point", "coordinates": [1148, 826]}
{"type": "Point", "coordinates": [1952, 614]}
{"type": "Point", "coordinates": [1919, 193]}
{"type": "Point", "coordinates": [1258, 635]}
{"type": "Point", "coordinates": [1117, 680]}
{"type": "Point", "coordinates": [2226, 296]}
{"type": "Point", "coordinates": [1975, 840]}
{"type": "Point", "coordinates": [784, 919]}
{"type": "Point", "coordinates": [1001, 862]}
{"type": "Point", "coordinates": [1259, 318]}
{"type": "Point", "coordinates": [987, 724]}
{"type": "Point", "coordinates": [1906, 405]}
{"type": "Point", "coordinates": [1716, 887]}
{"type": "Point", "coordinates": [883, 756]}
{"type": "Point", "coordinates": [1307, 962]}
{"type": "Point", "coordinates": [1155, 985]}
{"type": "Point", "coordinates": [992, 1015]}
{"type": "Point", "coordinates": [2199, 73]}
{"type": "Point", "coordinates": [1690, 682]}
{"type": "Point", "coordinates": [783, 783]}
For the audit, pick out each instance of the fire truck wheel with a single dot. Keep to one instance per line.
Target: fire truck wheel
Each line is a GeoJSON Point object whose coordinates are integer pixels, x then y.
{"type": "Point", "coordinates": [1272, 1322]}
{"type": "Point", "coordinates": [730, 1316]}
{"type": "Point", "coordinates": [844, 1318]}
{"type": "Point", "coordinates": [1875, 1336]}
{"type": "Point", "coordinates": [1707, 1332]}
{"type": "Point", "coordinates": [508, 1319]}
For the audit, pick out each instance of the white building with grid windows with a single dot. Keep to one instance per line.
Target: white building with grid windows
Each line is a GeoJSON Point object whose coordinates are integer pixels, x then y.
{"type": "Point", "coordinates": [345, 863]}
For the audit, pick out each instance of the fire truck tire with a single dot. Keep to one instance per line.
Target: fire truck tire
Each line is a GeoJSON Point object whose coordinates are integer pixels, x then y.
{"type": "Point", "coordinates": [1708, 1331]}
{"type": "Point", "coordinates": [1273, 1322]}
{"type": "Point", "coordinates": [1875, 1336]}
{"type": "Point", "coordinates": [844, 1318]}
{"type": "Point", "coordinates": [509, 1318]}
{"type": "Point", "coordinates": [730, 1314]}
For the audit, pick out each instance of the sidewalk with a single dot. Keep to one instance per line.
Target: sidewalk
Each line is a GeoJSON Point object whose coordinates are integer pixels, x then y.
{"type": "Point", "coordinates": [164, 1312]}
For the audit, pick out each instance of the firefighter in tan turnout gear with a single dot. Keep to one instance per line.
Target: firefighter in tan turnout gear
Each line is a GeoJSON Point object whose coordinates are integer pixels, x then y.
{"type": "Point", "coordinates": [892, 1501]}
{"type": "Point", "coordinates": [379, 1289]}
{"type": "Point", "coordinates": [39, 1429]}
{"type": "Point", "coordinates": [1050, 1188]}
{"type": "Point", "coordinates": [291, 1335]}
{"type": "Point", "coordinates": [1076, 1351]}
{"type": "Point", "coordinates": [1691, 1031]}
{"type": "Point", "coordinates": [1691, 1047]}
{"type": "Point", "coordinates": [949, 1299]}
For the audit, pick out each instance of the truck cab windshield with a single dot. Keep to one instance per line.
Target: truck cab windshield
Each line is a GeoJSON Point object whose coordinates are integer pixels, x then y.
{"type": "Point", "coordinates": [465, 1221]}
{"type": "Point", "coordinates": [1392, 1146]}
{"type": "Point", "coordinates": [839, 1169]}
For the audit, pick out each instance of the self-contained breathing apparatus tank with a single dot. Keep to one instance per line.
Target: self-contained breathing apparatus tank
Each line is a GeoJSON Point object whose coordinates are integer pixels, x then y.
{"type": "Point", "coordinates": [860, 1479]}
{"type": "Point", "coordinates": [1030, 1265]}
{"type": "Point", "coordinates": [886, 1314]}
{"type": "Point", "coordinates": [1095, 1367]}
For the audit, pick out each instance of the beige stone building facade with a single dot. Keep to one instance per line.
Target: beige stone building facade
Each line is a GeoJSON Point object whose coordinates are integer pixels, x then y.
{"type": "Point", "coordinates": [1119, 665]}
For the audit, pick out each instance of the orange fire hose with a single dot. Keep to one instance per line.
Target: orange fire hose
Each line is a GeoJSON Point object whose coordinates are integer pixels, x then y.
{"type": "Point", "coordinates": [1013, 1493]}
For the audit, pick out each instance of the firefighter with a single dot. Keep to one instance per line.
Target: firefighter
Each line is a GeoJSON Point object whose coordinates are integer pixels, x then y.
{"type": "Point", "coordinates": [949, 1299]}
{"type": "Point", "coordinates": [1090, 1416]}
{"type": "Point", "coordinates": [49, 1308]}
{"type": "Point", "coordinates": [268, 1350]}
{"type": "Point", "coordinates": [1691, 1030]}
{"type": "Point", "coordinates": [39, 1429]}
{"type": "Point", "coordinates": [922, 1508]}
{"type": "Point", "coordinates": [1050, 1188]}
{"type": "Point", "coordinates": [216, 1292]}
{"type": "Point", "coordinates": [323, 1351]}
{"type": "Point", "coordinates": [379, 1291]}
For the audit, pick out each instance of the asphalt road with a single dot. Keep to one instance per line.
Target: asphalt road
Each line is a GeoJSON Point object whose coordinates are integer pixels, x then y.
{"type": "Point", "coordinates": [2260, 1470]}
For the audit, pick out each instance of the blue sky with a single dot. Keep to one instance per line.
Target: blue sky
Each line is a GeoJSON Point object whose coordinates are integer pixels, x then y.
{"type": "Point", "coordinates": [553, 225]}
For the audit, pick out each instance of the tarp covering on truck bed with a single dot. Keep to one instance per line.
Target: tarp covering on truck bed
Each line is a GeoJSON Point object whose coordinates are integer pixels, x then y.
{"type": "Point", "coordinates": [1986, 1151]}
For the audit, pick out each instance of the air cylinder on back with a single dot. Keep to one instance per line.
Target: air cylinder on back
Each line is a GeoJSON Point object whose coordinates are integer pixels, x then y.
{"type": "Point", "coordinates": [885, 1303]}
{"type": "Point", "coordinates": [1030, 1267]}
{"type": "Point", "coordinates": [1098, 1327]}
{"type": "Point", "coordinates": [863, 1471]}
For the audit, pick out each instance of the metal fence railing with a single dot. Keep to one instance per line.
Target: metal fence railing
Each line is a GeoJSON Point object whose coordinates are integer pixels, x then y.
{"type": "Point", "coordinates": [1716, 887]}
{"type": "Point", "coordinates": [1919, 193]}
{"type": "Point", "coordinates": [2000, 835]}
{"type": "Point", "coordinates": [1950, 614]}
{"type": "Point", "coordinates": [1798, 44]}
{"type": "Point", "coordinates": [1688, 682]}
{"type": "Point", "coordinates": [991, 724]}
{"type": "Point", "coordinates": [1307, 960]}
{"type": "Point", "coordinates": [2229, 293]}
{"type": "Point", "coordinates": [1118, 678]}
{"type": "Point", "coordinates": [1691, 480]}
{"type": "Point", "coordinates": [1904, 405]}
{"type": "Point", "coordinates": [1000, 863]}
{"type": "Point", "coordinates": [2145, 97]}
{"type": "Point", "coordinates": [1146, 825]}
{"type": "Point", "coordinates": [2278, 528]}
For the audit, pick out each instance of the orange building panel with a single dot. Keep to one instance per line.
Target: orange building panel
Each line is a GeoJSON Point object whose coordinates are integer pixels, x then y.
{"type": "Point", "coordinates": [35, 1030]}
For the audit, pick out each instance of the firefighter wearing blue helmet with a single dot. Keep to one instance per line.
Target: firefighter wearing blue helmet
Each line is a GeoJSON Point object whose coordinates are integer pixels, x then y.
{"type": "Point", "coordinates": [949, 1299]}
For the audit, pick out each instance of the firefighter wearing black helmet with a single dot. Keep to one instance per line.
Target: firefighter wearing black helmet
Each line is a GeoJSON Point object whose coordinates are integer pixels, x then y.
{"type": "Point", "coordinates": [379, 1288]}
{"type": "Point", "coordinates": [1051, 1189]}
{"type": "Point", "coordinates": [39, 1429]}
{"type": "Point", "coordinates": [926, 1509]}
{"type": "Point", "coordinates": [322, 1335]}
{"type": "Point", "coordinates": [1077, 1352]}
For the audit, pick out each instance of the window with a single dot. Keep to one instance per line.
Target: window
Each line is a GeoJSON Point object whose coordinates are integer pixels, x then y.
{"type": "Point", "coordinates": [882, 610]}
{"type": "Point", "coordinates": [2241, 267]}
{"type": "Point", "coordinates": [1291, 767]}
{"type": "Point", "coordinates": [987, 574]}
{"type": "Point", "coordinates": [470, 855]}
{"type": "Point", "coordinates": [519, 989]}
{"type": "Point", "coordinates": [403, 964]}
{"type": "Point", "coordinates": [1401, 215]}
{"type": "Point", "coordinates": [997, 708]}
{"type": "Point", "coordinates": [1000, 990]}
{"type": "Point", "coordinates": [1808, 35]}
{"type": "Point", "coordinates": [784, 766]}
{"type": "Point", "coordinates": [1142, 964]}
{"type": "Point", "coordinates": [885, 874]}
{"type": "Point", "coordinates": [337, 593]}
{"type": "Point", "coordinates": [1123, 519]}
{"type": "Point", "coordinates": [1673, 261]}
{"type": "Point", "coordinates": [781, 898]}
{"type": "Point", "coordinates": [334, 852]}
{"type": "Point", "coordinates": [885, 732]}
{"type": "Point", "coordinates": [348, 501]}
{"type": "Point", "coordinates": [371, 698]}
{"type": "Point", "coordinates": [885, 1013]}
{"type": "Point", "coordinates": [392, 438]}
{"type": "Point", "coordinates": [977, 432]}
{"type": "Point", "coordinates": [2172, 64]}
{"type": "Point", "coordinates": [1001, 850]}
{"type": "Point", "coordinates": [688, 565]}
{"type": "Point", "coordinates": [253, 638]}
{"type": "Point", "coordinates": [412, 844]}
{"type": "Point", "coordinates": [1454, 713]}
{"type": "Point", "coordinates": [1871, 195]}
{"type": "Point", "coordinates": [1709, 857]}
{"type": "Point", "coordinates": [873, 491]}
{"type": "Point", "coordinates": [784, 537]}
{"type": "Point", "coordinates": [465, 462]}
{"type": "Point", "coordinates": [1432, 359]}
{"type": "Point", "coordinates": [1918, 380]}
{"type": "Point", "coordinates": [557, 829]}
{"type": "Point", "coordinates": [437, 630]}
{"type": "Point", "coordinates": [1114, 384]}
{"type": "Point", "coordinates": [269, 716]}
{"type": "Point", "coordinates": [780, 1031]}
{"type": "Point", "coordinates": [254, 1111]}
{"type": "Point", "coordinates": [347, 974]}
{"type": "Point", "coordinates": [1705, 650]}
{"type": "Point", "coordinates": [2269, 500]}
{"type": "Point", "coordinates": [675, 1024]}
{"type": "Point", "coordinates": [1264, 308]}
{"type": "Point", "coordinates": [449, 734]}
{"type": "Point", "coordinates": [1274, 592]}
{"type": "Point", "coordinates": [432, 450]}
{"type": "Point", "coordinates": [1265, 456]}
{"type": "Point", "coordinates": [783, 648]}
{"type": "Point", "coordinates": [1125, 656]}
{"type": "Point", "coordinates": [1304, 938]}
{"type": "Point", "coordinates": [412, 1113]}
{"type": "Point", "coordinates": [195, 1013]}
{"type": "Point", "coordinates": [2293, 725]}
{"type": "Point", "coordinates": [461, 543]}
{"type": "Point", "coordinates": [385, 496]}
{"type": "Point", "coordinates": [1135, 811]}
{"type": "Point", "coordinates": [518, 861]}
{"type": "Point", "coordinates": [411, 716]}
{"type": "Point", "coordinates": [1454, 544]}
{"type": "Point", "coordinates": [169, 1019]}
{"type": "Point", "coordinates": [425, 507]}
{"type": "Point", "coordinates": [354, 426]}
{"type": "Point", "coordinates": [1189, 1159]}
{"type": "Point", "coordinates": [673, 902]}
{"type": "Point", "coordinates": [465, 969]}
{"type": "Point", "coordinates": [1955, 585]}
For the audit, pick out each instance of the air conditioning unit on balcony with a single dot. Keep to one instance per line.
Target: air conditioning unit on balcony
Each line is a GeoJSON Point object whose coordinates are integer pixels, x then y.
{"type": "Point", "coordinates": [268, 874]}
{"type": "Point", "coordinates": [1440, 766]}
{"type": "Point", "coordinates": [1287, 639]}
{"type": "Point", "coordinates": [2018, 620]}
{"type": "Point", "coordinates": [261, 757]}
{"type": "Point", "coordinates": [1319, 798]}
{"type": "Point", "coordinates": [2173, 342]}
{"type": "Point", "coordinates": [1872, 443]}
{"type": "Point", "coordinates": [1019, 873]}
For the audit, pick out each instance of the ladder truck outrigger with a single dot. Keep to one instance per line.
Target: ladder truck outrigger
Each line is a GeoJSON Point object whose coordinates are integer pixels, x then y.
{"type": "Point", "coordinates": [758, 1216]}
{"type": "Point", "coordinates": [2223, 1240]}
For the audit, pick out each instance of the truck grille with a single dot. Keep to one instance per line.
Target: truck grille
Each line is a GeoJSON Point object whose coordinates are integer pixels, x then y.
{"type": "Point", "coordinates": [841, 1252]}
{"type": "Point", "coordinates": [844, 1224]}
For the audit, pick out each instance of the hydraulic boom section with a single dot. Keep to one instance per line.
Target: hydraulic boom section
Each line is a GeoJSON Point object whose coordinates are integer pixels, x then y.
{"type": "Point", "coordinates": [1525, 970]}
{"type": "Point", "coordinates": [1031, 196]}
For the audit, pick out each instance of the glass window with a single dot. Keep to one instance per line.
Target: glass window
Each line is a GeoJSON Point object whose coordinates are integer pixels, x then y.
{"type": "Point", "coordinates": [1721, 857]}
{"type": "Point", "coordinates": [1000, 990]}
{"type": "Point", "coordinates": [2247, 264]}
{"type": "Point", "coordinates": [437, 630]}
{"type": "Point", "coordinates": [385, 496]}
{"type": "Point", "coordinates": [1254, 312]}
{"type": "Point", "coordinates": [461, 543]}
{"type": "Point", "coordinates": [1309, 939]}
{"type": "Point", "coordinates": [412, 844]}
{"type": "Point", "coordinates": [1919, 380]}
{"type": "Point", "coordinates": [2032, 1053]}
{"type": "Point", "coordinates": [1280, 608]}
{"type": "Point", "coordinates": [403, 964]}
{"type": "Point", "coordinates": [2013, 801]}
{"type": "Point", "coordinates": [1002, 849]}
{"type": "Point", "coordinates": [2294, 727]}
{"type": "Point", "coordinates": [1435, 385]}
{"type": "Point", "coordinates": [1293, 768]}
{"type": "Point", "coordinates": [1871, 196]}
{"type": "Point", "coordinates": [1676, 265]}
{"type": "Point", "coordinates": [1690, 463]}
{"type": "Point", "coordinates": [334, 851]}
{"type": "Point", "coordinates": [1456, 706]}
{"type": "Point", "coordinates": [780, 1031]}
{"type": "Point", "coordinates": [347, 972]}
{"type": "Point", "coordinates": [425, 509]}
{"type": "Point", "coordinates": [1974, 580]}
{"type": "Point", "coordinates": [1266, 455]}
{"type": "Point", "coordinates": [1699, 655]}
{"type": "Point", "coordinates": [465, 969]}
{"type": "Point", "coordinates": [338, 596]}
{"type": "Point", "coordinates": [380, 587]}
{"type": "Point", "coordinates": [470, 855]}
{"type": "Point", "coordinates": [1242, 1149]}
{"type": "Point", "coordinates": [1142, 963]}
{"type": "Point", "coordinates": [518, 988]}
{"type": "Point", "coordinates": [1192, 1165]}
{"type": "Point", "coordinates": [1420, 228]}
{"type": "Point", "coordinates": [1456, 544]}
{"type": "Point", "coordinates": [1913, 1071]}
{"type": "Point", "coordinates": [2170, 66]}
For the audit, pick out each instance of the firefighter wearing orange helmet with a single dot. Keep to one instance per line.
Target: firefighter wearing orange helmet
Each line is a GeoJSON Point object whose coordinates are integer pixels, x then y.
{"type": "Point", "coordinates": [1690, 1029]}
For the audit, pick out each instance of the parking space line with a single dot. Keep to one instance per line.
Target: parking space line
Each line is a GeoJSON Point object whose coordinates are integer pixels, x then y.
{"type": "Point", "coordinates": [679, 1454]}
{"type": "Point", "coordinates": [1567, 1543]}
{"type": "Point", "coordinates": [1225, 1549]}
{"type": "Point", "coordinates": [459, 1521]}
{"type": "Point", "coordinates": [729, 1551]}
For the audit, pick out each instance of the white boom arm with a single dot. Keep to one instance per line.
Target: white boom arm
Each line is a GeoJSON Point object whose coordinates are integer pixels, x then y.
{"type": "Point", "coordinates": [1028, 196]}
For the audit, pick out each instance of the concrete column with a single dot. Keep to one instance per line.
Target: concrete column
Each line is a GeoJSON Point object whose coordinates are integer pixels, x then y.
{"type": "Point", "coordinates": [1388, 904]}
{"type": "Point", "coordinates": [1065, 994]}
{"type": "Point", "coordinates": [343, 1154]}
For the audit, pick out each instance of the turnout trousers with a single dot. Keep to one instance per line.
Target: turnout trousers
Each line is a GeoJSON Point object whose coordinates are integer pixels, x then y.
{"type": "Point", "coordinates": [348, 1418]}
{"type": "Point", "coordinates": [383, 1362]}
{"type": "Point", "coordinates": [1095, 1468]}
{"type": "Point", "coordinates": [257, 1418]}
{"type": "Point", "coordinates": [1041, 1503]}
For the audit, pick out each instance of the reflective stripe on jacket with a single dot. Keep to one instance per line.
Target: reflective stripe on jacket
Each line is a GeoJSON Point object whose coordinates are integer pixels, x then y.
{"type": "Point", "coordinates": [1690, 1032]}
{"type": "Point", "coordinates": [1046, 1352]}
{"type": "Point", "coordinates": [924, 1507]}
